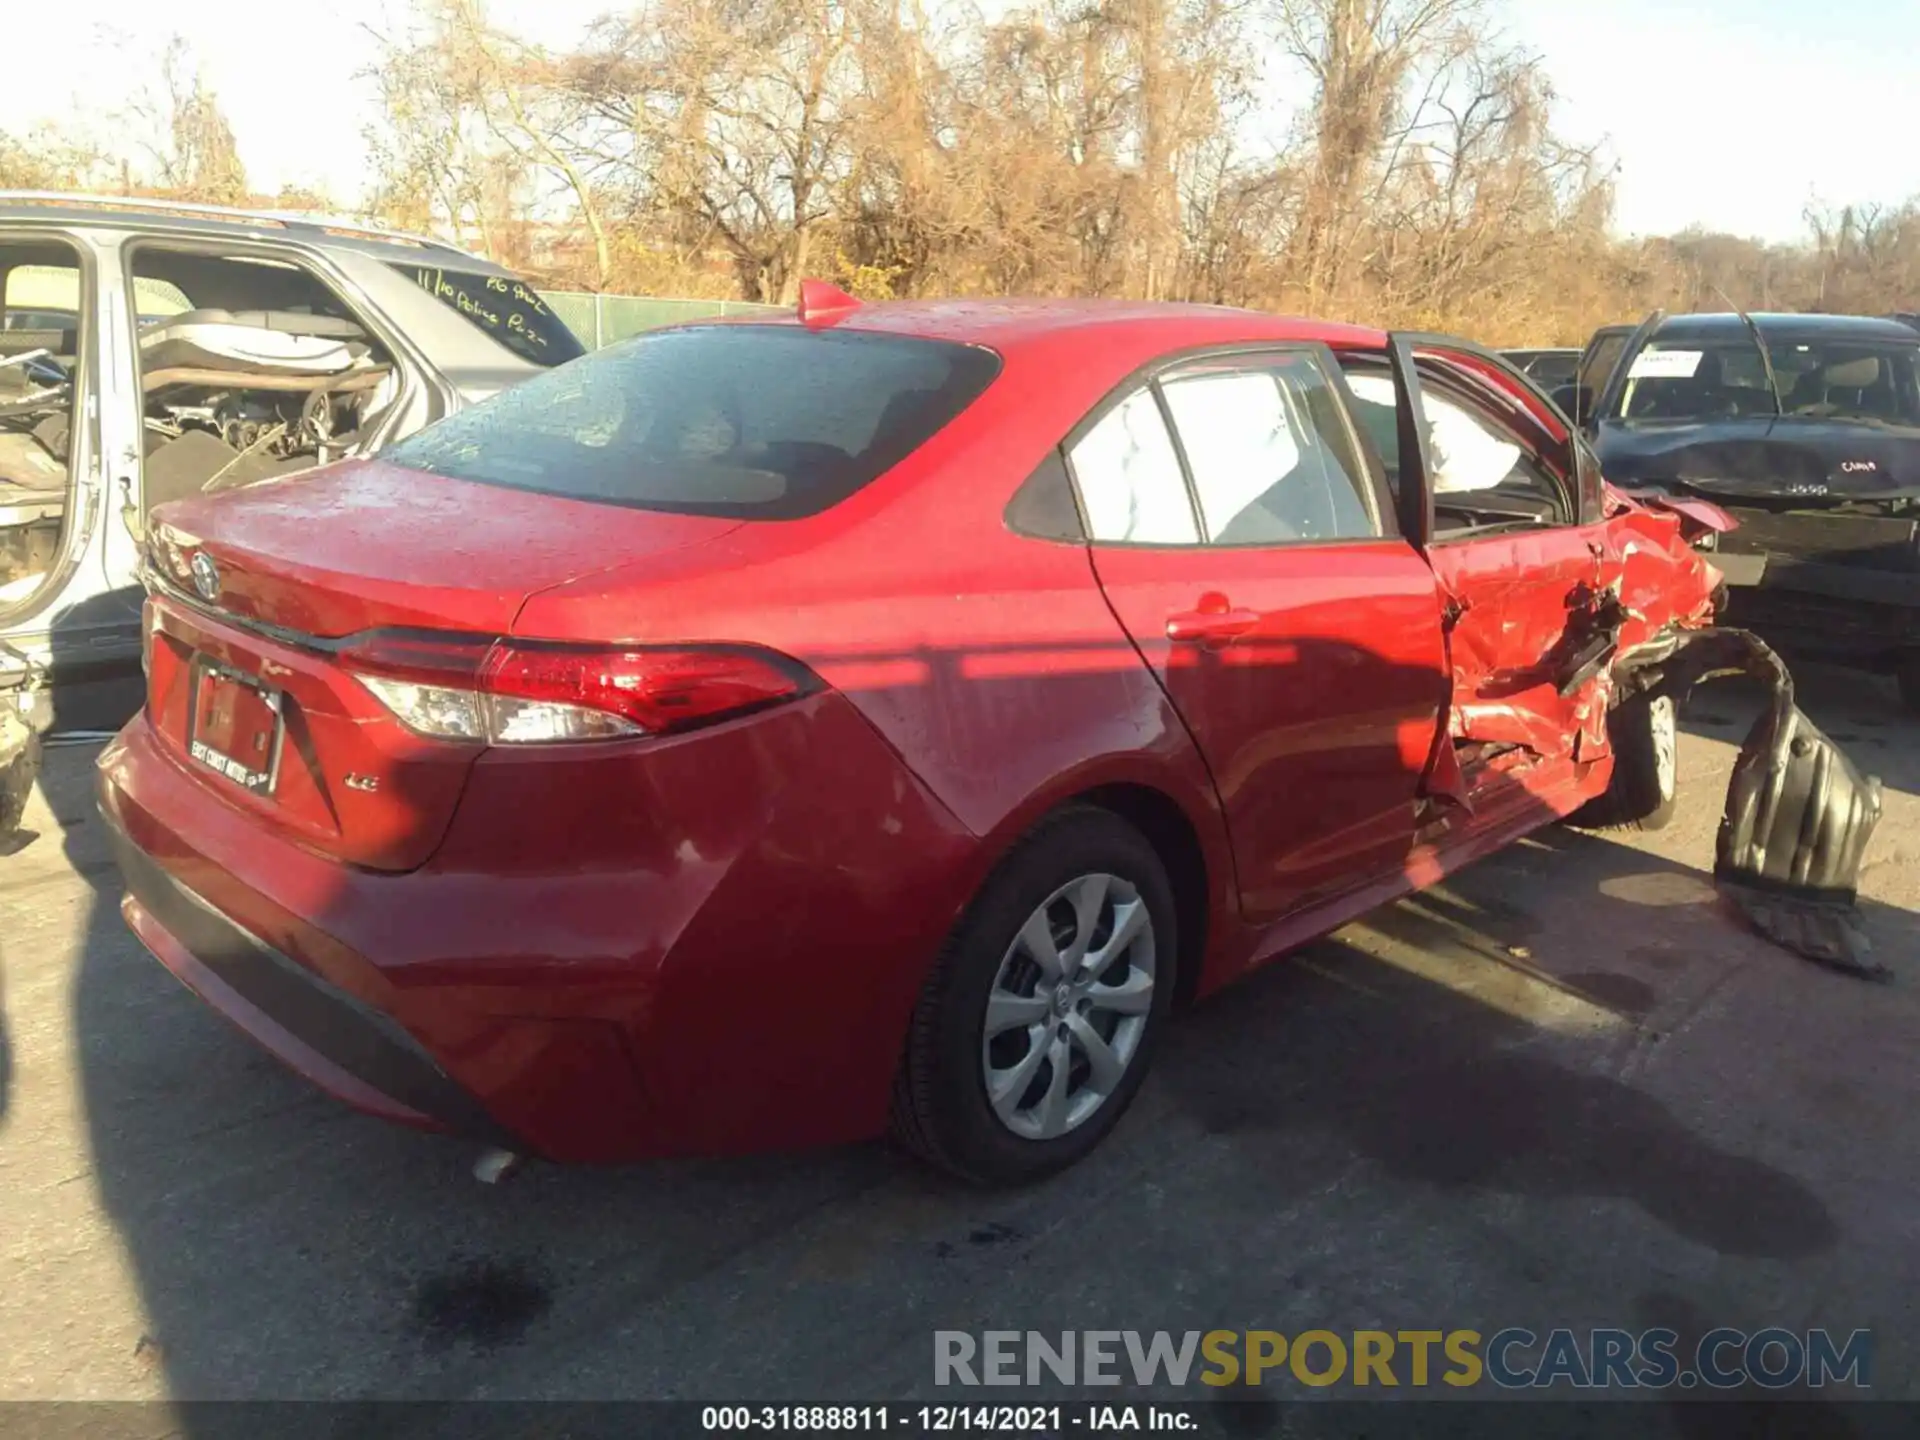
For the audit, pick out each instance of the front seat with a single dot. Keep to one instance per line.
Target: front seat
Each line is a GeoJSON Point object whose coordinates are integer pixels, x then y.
{"type": "Point", "coordinates": [1843, 385]}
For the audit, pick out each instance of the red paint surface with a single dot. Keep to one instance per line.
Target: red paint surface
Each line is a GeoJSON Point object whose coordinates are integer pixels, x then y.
{"type": "Point", "coordinates": [713, 941]}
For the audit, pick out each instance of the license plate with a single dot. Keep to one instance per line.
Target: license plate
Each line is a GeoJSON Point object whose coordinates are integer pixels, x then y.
{"type": "Point", "coordinates": [235, 728]}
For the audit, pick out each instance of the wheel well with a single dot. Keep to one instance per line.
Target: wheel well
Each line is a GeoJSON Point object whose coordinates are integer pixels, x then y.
{"type": "Point", "coordinates": [1159, 817]}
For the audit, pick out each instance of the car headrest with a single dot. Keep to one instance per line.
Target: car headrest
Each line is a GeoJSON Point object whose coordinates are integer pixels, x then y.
{"type": "Point", "coordinates": [1857, 374]}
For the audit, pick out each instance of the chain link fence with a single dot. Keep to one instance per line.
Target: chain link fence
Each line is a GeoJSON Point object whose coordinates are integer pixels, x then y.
{"type": "Point", "coordinates": [602, 319]}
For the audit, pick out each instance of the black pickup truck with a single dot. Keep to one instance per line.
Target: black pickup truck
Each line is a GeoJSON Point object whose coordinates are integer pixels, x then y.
{"type": "Point", "coordinates": [1807, 429]}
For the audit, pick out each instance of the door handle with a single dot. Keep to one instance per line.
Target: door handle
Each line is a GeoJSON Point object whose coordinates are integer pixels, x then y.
{"type": "Point", "coordinates": [1210, 627]}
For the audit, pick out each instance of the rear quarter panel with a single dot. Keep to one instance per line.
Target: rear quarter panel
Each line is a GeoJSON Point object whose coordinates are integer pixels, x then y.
{"type": "Point", "coordinates": [989, 662]}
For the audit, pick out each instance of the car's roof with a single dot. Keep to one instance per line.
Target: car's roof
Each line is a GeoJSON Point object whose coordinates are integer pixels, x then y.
{"type": "Point", "coordinates": [1786, 327]}
{"type": "Point", "coordinates": [1142, 328]}
{"type": "Point", "coordinates": [168, 217]}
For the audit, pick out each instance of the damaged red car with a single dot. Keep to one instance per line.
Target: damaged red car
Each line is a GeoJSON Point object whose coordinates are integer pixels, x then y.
{"type": "Point", "coordinates": [771, 733]}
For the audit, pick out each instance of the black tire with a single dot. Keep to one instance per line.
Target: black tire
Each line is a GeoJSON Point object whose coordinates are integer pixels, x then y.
{"type": "Point", "coordinates": [941, 1109]}
{"type": "Point", "coordinates": [1643, 793]}
{"type": "Point", "coordinates": [1908, 678]}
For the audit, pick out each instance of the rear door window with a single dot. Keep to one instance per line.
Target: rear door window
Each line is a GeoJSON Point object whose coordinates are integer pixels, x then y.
{"type": "Point", "coordinates": [752, 421]}
{"type": "Point", "coordinates": [1271, 458]}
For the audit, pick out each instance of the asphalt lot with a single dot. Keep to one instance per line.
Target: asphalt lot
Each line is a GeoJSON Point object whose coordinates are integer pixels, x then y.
{"type": "Point", "coordinates": [1565, 1089]}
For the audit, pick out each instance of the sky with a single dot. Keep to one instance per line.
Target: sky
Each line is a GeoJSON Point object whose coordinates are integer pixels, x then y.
{"type": "Point", "coordinates": [1735, 115]}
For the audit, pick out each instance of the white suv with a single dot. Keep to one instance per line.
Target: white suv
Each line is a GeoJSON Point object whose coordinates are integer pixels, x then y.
{"type": "Point", "coordinates": [150, 350]}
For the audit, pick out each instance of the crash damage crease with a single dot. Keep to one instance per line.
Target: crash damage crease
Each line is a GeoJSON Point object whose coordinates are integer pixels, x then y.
{"type": "Point", "coordinates": [1798, 814]}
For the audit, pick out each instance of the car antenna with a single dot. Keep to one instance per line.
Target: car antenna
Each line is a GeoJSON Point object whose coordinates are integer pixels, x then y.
{"type": "Point", "coordinates": [1766, 355]}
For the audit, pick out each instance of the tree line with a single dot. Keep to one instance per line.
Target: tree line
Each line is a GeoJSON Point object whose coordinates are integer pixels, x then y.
{"type": "Point", "coordinates": [727, 148]}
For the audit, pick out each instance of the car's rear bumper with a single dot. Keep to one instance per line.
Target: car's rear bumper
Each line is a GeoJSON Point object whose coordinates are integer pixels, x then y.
{"type": "Point", "coordinates": [644, 977]}
{"type": "Point", "coordinates": [419, 1055]}
{"type": "Point", "coordinates": [347, 1048]}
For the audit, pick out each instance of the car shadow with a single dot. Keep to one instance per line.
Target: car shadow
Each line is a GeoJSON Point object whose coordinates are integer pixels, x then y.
{"type": "Point", "coordinates": [1496, 1035]}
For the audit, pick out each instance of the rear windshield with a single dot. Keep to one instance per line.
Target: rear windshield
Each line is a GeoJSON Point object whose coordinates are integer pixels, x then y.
{"type": "Point", "coordinates": [510, 311]}
{"type": "Point", "coordinates": [754, 421]}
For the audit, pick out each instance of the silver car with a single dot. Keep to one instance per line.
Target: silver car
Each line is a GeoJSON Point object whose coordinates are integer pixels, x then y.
{"type": "Point", "coordinates": [150, 350]}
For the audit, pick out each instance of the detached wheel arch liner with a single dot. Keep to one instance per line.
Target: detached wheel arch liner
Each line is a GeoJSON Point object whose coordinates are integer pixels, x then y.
{"type": "Point", "coordinates": [1799, 814]}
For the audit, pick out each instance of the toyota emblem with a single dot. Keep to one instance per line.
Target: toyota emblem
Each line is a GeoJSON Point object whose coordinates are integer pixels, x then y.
{"type": "Point", "coordinates": [206, 576]}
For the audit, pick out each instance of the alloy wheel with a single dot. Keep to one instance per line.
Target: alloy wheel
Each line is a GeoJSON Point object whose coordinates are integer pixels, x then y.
{"type": "Point", "coordinates": [1068, 1007]}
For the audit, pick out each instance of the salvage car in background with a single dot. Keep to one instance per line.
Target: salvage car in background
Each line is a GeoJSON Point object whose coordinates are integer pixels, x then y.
{"type": "Point", "coordinates": [1806, 428]}
{"type": "Point", "coordinates": [1576, 393]}
{"type": "Point", "coordinates": [1549, 369]}
{"type": "Point", "coordinates": [150, 350]}
{"type": "Point", "coordinates": [760, 733]}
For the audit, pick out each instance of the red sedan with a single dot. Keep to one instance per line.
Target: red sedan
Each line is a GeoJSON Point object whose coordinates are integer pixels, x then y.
{"type": "Point", "coordinates": [760, 734]}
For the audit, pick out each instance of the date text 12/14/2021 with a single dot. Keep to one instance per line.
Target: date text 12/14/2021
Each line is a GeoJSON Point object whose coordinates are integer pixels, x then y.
{"type": "Point", "coordinates": [941, 1419]}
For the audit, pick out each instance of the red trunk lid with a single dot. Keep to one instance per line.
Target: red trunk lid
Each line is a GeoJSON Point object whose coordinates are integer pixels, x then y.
{"type": "Point", "coordinates": [366, 544]}
{"type": "Point", "coordinates": [336, 552]}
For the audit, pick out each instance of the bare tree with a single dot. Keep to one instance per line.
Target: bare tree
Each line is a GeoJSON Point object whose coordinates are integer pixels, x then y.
{"type": "Point", "coordinates": [1098, 147]}
{"type": "Point", "coordinates": [731, 118]}
{"type": "Point", "coordinates": [49, 158]}
{"type": "Point", "coordinates": [1363, 56]}
{"type": "Point", "coordinates": [189, 143]}
{"type": "Point", "coordinates": [515, 96]}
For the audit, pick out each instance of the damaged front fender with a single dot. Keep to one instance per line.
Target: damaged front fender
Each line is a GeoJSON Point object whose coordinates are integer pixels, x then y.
{"type": "Point", "coordinates": [1798, 815]}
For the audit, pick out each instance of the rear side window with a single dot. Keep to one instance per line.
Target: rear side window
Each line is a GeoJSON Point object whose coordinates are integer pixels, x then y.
{"type": "Point", "coordinates": [507, 310]}
{"type": "Point", "coordinates": [757, 422]}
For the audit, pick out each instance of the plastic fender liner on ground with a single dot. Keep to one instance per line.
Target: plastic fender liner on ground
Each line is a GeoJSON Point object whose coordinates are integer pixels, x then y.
{"type": "Point", "coordinates": [1798, 815]}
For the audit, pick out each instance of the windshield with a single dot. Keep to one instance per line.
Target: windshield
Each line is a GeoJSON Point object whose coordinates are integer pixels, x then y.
{"type": "Point", "coordinates": [751, 421]}
{"type": "Point", "coordinates": [1874, 382]}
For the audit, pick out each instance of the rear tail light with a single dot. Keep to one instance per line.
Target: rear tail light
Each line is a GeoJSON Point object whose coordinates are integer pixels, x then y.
{"type": "Point", "coordinates": [507, 692]}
